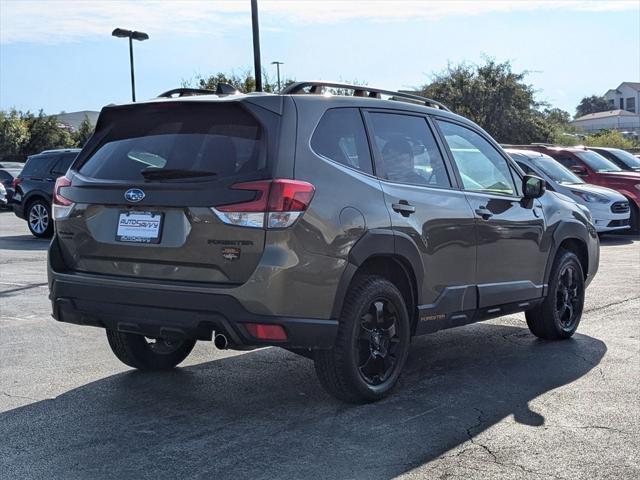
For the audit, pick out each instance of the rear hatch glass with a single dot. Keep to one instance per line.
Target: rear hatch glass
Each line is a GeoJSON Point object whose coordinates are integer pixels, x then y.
{"type": "Point", "coordinates": [164, 165]}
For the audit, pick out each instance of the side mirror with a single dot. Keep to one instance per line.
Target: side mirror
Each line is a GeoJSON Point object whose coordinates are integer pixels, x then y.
{"type": "Point", "coordinates": [579, 170]}
{"type": "Point", "coordinates": [533, 187]}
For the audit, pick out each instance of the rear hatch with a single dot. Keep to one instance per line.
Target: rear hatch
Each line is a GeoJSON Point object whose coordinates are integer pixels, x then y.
{"type": "Point", "coordinates": [144, 185]}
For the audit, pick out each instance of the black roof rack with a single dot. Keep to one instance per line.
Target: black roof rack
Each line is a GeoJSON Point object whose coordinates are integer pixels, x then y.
{"type": "Point", "coordinates": [221, 89]}
{"type": "Point", "coordinates": [315, 87]}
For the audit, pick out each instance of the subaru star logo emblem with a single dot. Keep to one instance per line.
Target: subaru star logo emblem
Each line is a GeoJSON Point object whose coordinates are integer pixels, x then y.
{"type": "Point", "coordinates": [134, 195]}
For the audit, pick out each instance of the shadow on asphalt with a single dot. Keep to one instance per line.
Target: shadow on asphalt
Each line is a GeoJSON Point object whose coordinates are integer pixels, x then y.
{"type": "Point", "coordinates": [618, 239]}
{"type": "Point", "coordinates": [23, 242]}
{"type": "Point", "coordinates": [263, 415]}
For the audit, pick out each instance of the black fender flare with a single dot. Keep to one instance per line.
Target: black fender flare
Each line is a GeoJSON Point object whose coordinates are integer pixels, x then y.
{"type": "Point", "coordinates": [375, 243]}
{"type": "Point", "coordinates": [567, 230]}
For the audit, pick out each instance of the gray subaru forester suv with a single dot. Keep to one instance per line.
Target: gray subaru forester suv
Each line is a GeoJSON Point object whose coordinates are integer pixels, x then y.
{"type": "Point", "coordinates": [337, 226]}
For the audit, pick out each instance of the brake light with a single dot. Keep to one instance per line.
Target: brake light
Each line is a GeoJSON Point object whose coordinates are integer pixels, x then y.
{"type": "Point", "coordinates": [15, 182]}
{"type": "Point", "coordinates": [264, 331]}
{"type": "Point", "coordinates": [61, 206]}
{"type": "Point", "coordinates": [58, 199]}
{"type": "Point", "coordinates": [277, 204]}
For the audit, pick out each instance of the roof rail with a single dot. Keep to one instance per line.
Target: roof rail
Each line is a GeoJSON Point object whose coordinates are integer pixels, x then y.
{"type": "Point", "coordinates": [186, 92]}
{"type": "Point", "coordinates": [315, 87]}
{"type": "Point", "coordinates": [221, 89]}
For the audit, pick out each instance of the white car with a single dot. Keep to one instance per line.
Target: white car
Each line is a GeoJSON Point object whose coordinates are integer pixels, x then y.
{"type": "Point", "coordinates": [3, 196]}
{"type": "Point", "coordinates": [609, 209]}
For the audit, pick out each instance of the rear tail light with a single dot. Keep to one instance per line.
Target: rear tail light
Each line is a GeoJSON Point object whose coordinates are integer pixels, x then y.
{"type": "Point", "coordinates": [265, 331]}
{"type": "Point", "coordinates": [16, 181]}
{"type": "Point", "coordinates": [62, 206]}
{"type": "Point", "coordinates": [277, 204]}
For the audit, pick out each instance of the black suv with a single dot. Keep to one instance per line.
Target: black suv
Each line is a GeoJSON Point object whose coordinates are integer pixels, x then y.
{"type": "Point", "coordinates": [33, 188]}
{"type": "Point", "coordinates": [336, 226]}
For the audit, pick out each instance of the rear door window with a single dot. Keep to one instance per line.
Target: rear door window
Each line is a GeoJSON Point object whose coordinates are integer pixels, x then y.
{"type": "Point", "coordinates": [63, 164]}
{"type": "Point", "coordinates": [407, 150]}
{"type": "Point", "coordinates": [219, 140]}
{"type": "Point", "coordinates": [340, 136]}
{"type": "Point", "coordinates": [480, 165]}
{"type": "Point", "coordinates": [38, 165]}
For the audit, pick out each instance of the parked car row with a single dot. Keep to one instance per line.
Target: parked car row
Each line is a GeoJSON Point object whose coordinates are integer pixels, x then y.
{"type": "Point", "coordinates": [593, 168]}
{"type": "Point", "coordinates": [609, 209]}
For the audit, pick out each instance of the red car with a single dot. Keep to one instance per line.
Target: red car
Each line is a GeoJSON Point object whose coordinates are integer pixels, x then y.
{"type": "Point", "coordinates": [595, 169]}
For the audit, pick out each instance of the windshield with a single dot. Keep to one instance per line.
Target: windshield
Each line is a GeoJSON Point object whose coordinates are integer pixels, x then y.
{"type": "Point", "coordinates": [556, 171]}
{"type": "Point", "coordinates": [597, 162]}
{"type": "Point", "coordinates": [177, 141]}
{"type": "Point", "coordinates": [626, 158]}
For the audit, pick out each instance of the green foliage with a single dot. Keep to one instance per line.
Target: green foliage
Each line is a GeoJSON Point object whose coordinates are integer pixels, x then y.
{"type": "Point", "coordinates": [497, 99]}
{"type": "Point", "coordinates": [592, 104]}
{"type": "Point", "coordinates": [609, 138]}
{"type": "Point", "coordinates": [244, 81]}
{"type": "Point", "coordinates": [84, 132]}
{"type": "Point", "coordinates": [14, 133]}
{"type": "Point", "coordinates": [24, 133]}
{"type": "Point", "coordinates": [45, 133]}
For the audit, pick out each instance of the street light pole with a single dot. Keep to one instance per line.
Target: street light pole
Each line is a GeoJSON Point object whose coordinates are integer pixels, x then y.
{"type": "Point", "coordinates": [277, 64]}
{"type": "Point", "coordinates": [133, 78]}
{"type": "Point", "coordinates": [131, 35]}
{"type": "Point", "coordinates": [256, 44]}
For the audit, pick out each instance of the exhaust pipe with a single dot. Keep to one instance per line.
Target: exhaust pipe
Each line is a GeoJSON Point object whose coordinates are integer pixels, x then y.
{"type": "Point", "coordinates": [220, 341]}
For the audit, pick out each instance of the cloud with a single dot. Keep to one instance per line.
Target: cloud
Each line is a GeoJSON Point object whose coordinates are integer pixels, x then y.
{"type": "Point", "coordinates": [56, 21]}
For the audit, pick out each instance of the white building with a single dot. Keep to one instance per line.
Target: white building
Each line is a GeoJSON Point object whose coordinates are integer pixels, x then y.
{"type": "Point", "coordinates": [619, 120]}
{"type": "Point", "coordinates": [624, 113]}
{"type": "Point", "coordinates": [625, 97]}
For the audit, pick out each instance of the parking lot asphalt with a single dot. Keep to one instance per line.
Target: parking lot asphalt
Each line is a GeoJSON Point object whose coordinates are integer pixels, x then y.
{"type": "Point", "coordinates": [483, 401]}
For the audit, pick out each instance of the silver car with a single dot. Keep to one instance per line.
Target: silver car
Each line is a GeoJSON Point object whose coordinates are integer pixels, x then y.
{"type": "Point", "coordinates": [609, 209]}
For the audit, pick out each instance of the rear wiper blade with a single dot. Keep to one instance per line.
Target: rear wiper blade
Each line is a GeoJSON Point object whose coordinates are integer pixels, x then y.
{"type": "Point", "coordinates": [153, 173]}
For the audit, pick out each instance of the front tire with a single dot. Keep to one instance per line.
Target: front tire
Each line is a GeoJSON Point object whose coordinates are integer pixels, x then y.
{"type": "Point", "coordinates": [39, 219]}
{"type": "Point", "coordinates": [371, 346]}
{"type": "Point", "coordinates": [148, 354]}
{"type": "Point", "coordinates": [558, 316]}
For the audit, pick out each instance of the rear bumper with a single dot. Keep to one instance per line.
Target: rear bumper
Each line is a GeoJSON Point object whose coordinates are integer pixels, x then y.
{"type": "Point", "coordinates": [174, 314]}
{"type": "Point", "coordinates": [160, 309]}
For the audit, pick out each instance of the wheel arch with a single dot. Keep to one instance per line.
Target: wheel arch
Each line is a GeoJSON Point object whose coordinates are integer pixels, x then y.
{"type": "Point", "coordinates": [571, 236]}
{"type": "Point", "coordinates": [384, 253]}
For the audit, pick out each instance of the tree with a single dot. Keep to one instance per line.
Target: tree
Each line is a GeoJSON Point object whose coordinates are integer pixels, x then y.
{"type": "Point", "coordinates": [495, 97]}
{"type": "Point", "coordinates": [592, 104]}
{"type": "Point", "coordinates": [245, 82]}
{"type": "Point", "coordinates": [84, 132]}
{"type": "Point", "coordinates": [609, 138]}
{"type": "Point", "coordinates": [14, 133]}
{"type": "Point", "coordinates": [45, 133]}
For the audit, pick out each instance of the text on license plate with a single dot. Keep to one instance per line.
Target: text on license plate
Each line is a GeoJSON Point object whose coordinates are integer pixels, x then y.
{"type": "Point", "coordinates": [139, 227]}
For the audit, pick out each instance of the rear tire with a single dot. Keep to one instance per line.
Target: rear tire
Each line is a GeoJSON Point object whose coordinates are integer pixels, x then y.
{"type": "Point", "coordinates": [156, 354]}
{"type": "Point", "coordinates": [371, 346]}
{"type": "Point", "coordinates": [39, 219]}
{"type": "Point", "coordinates": [558, 316]}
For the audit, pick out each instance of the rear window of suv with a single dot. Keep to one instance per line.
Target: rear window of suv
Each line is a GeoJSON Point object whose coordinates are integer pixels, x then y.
{"type": "Point", "coordinates": [217, 139]}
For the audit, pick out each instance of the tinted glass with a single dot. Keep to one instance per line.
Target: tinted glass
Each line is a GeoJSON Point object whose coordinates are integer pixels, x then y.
{"type": "Point", "coordinates": [481, 167]}
{"type": "Point", "coordinates": [38, 165]}
{"type": "Point", "coordinates": [63, 163]}
{"type": "Point", "coordinates": [4, 175]}
{"type": "Point", "coordinates": [340, 136]}
{"type": "Point", "coordinates": [526, 168]}
{"type": "Point", "coordinates": [567, 162]}
{"type": "Point", "coordinates": [621, 158]}
{"type": "Point", "coordinates": [407, 150]}
{"type": "Point", "coordinates": [556, 171]}
{"type": "Point", "coordinates": [221, 139]}
{"type": "Point", "coordinates": [597, 162]}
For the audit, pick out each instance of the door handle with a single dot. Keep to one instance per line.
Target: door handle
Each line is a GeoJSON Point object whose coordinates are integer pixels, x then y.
{"type": "Point", "coordinates": [403, 208]}
{"type": "Point", "coordinates": [484, 213]}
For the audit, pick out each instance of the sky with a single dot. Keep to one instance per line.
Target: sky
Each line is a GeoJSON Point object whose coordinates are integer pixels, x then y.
{"type": "Point", "coordinates": [60, 55]}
